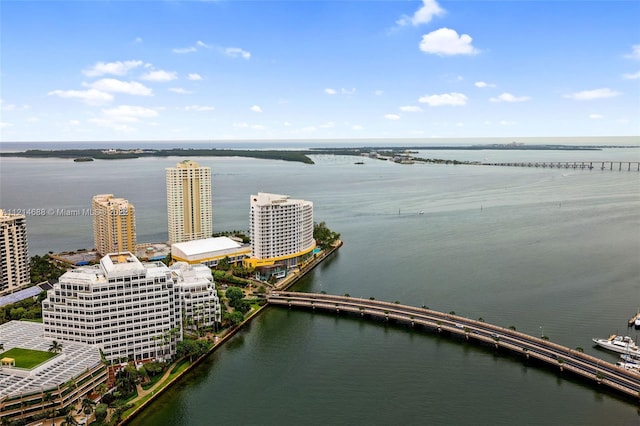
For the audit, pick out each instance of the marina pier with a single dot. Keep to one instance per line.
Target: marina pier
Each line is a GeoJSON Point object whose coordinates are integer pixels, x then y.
{"type": "Point", "coordinates": [596, 370]}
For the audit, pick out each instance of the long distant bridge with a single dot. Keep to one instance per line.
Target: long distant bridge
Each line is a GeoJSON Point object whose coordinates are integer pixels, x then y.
{"type": "Point", "coordinates": [627, 166]}
{"type": "Point", "coordinates": [594, 369]}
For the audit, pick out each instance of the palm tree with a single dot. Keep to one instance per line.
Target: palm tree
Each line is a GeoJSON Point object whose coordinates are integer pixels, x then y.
{"type": "Point", "coordinates": [55, 347]}
{"type": "Point", "coordinates": [87, 405]}
{"type": "Point", "coordinates": [69, 420]}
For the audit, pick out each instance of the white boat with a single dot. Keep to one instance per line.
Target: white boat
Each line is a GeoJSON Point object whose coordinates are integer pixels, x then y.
{"type": "Point", "coordinates": [629, 366]}
{"type": "Point", "coordinates": [634, 359]}
{"type": "Point", "coordinates": [637, 321]}
{"type": "Point", "coordinates": [620, 344]}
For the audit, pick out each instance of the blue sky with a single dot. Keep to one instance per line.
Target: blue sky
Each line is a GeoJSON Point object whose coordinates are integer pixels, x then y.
{"type": "Point", "coordinates": [303, 69]}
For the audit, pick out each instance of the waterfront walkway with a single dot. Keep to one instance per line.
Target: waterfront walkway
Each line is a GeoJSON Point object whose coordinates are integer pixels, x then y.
{"type": "Point", "coordinates": [598, 371]}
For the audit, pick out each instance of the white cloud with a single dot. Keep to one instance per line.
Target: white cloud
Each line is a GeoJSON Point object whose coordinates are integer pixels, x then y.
{"type": "Point", "coordinates": [635, 52]}
{"type": "Point", "coordinates": [308, 129]}
{"type": "Point", "coordinates": [128, 113]}
{"type": "Point", "coordinates": [596, 116]}
{"type": "Point", "coordinates": [180, 91]}
{"type": "Point", "coordinates": [236, 52]}
{"type": "Point", "coordinates": [4, 124]}
{"type": "Point", "coordinates": [115, 68]}
{"type": "Point", "coordinates": [199, 108]}
{"type": "Point", "coordinates": [351, 91]}
{"type": "Point", "coordinates": [203, 44]}
{"type": "Point", "coordinates": [113, 85]}
{"type": "Point", "coordinates": [287, 124]}
{"type": "Point", "coordinates": [506, 123]}
{"type": "Point", "coordinates": [160, 76]}
{"type": "Point", "coordinates": [446, 41]}
{"type": "Point", "coordinates": [91, 96]}
{"type": "Point", "coordinates": [429, 9]}
{"type": "Point", "coordinates": [357, 127]}
{"type": "Point", "coordinates": [411, 108]}
{"type": "Point", "coordinates": [138, 40]}
{"type": "Point", "coordinates": [241, 125]}
{"type": "Point", "coordinates": [194, 77]}
{"type": "Point", "coordinates": [378, 92]}
{"type": "Point", "coordinates": [74, 122]}
{"type": "Point", "coordinates": [453, 98]}
{"type": "Point", "coordinates": [256, 108]}
{"type": "Point", "coordinates": [392, 117]}
{"type": "Point", "coordinates": [258, 127]}
{"type": "Point", "coordinates": [508, 97]}
{"type": "Point", "coordinates": [634, 76]}
{"type": "Point", "coordinates": [483, 84]}
{"type": "Point", "coordinates": [13, 107]}
{"type": "Point", "coordinates": [327, 125]}
{"type": "Point", "coordinates": [182, 50]}
{"type": "Point", "coordinates": [586, 95]}
{"type": "Point", "coordinates": [330, 91]}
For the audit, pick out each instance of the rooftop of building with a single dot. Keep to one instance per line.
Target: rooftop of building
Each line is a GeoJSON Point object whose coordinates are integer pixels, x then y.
{"type": "Point", "coordinates": [121, 264]}
{"type": "Point", "coordinates": [205, 245]}
{"type": "Point", "coordinates": [72, 361]}
{"type": "Point", "coordinates": [265, 198]}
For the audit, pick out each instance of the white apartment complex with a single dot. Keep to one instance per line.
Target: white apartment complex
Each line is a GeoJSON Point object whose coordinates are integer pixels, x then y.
{"type": "Point", "coordinates": [128, 309]}
{"type": "Point", "coordinates": [200, 303]}
{"type": "Point", "coordinates": [281, 230]}
{"type": "Point", "coordinates": [114, 224]}
{"type": "Point", "coordinates": [189, 204]}
{"type": "Point", "coordinates": [14, 253]}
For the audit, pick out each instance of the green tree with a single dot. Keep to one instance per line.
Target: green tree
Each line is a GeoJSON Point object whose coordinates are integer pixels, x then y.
{"type": "Point", "coordinates": [324, 236]}
{"type": "Point", "coordinates": [55, 347]}
{"type": "Point", "coordinates": [234, 294]}
{"type": "Point", "coordinates": [223, 264]}
{"type": "Point", "coordinates": [235, 317]}
{"type": "Point", "coordinates": [87, 405]}
{"type": "Point", "coordinates": [101, 412]}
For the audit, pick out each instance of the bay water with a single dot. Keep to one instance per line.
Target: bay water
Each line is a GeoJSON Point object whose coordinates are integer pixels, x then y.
{"type": "Point", "coordinates": [549, 251]}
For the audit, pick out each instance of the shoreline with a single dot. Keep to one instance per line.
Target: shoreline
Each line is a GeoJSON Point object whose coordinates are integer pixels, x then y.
{"type": "Point", "coordinates": [285, 284]}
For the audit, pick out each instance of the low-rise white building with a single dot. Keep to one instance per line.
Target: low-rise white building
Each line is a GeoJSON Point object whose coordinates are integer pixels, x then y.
{"type": "Point", "coordinates": [209, 251]}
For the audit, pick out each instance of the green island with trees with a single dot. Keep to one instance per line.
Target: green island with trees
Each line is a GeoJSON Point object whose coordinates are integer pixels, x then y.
{"type": "Point", "coordinates": [88, 154]}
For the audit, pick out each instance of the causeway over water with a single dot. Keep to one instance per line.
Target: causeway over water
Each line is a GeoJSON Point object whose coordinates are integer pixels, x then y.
{"type": "Point", "coordinates": [600, 372]}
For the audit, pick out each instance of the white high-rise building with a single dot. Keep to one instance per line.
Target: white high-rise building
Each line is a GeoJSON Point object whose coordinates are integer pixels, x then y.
{"type": "Point", "coordinates": [199, 299]}
{"type": "Point", "coordinates": [189, 203]}
{"type": "Point", "coordinates": [281, 230]}
{"type": "Point", "coordinates": [128, 309]}
{"type": "Point", "coordinates": [14, 253]}
{"type": "Point", "coordinates": [114, 224]}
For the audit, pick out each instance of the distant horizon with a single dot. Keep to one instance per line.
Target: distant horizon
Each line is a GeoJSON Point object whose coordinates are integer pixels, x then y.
{"type": "Point", "coordinates": [628, 141]}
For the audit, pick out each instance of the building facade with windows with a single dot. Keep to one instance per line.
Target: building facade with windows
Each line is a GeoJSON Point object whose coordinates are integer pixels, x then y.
{"type": "Point", "coordinates": [14, 253]}
{"type": "Point", "coordinates": [114, 224]}
{"type": "Point", "coordinates": [198, 296]}
{"type": "Point", "coordinates": [129, 309]}
{"type": "Point", "coordinates": [189, 202]}
{"type": "Point", "coordinates": [281, 230]}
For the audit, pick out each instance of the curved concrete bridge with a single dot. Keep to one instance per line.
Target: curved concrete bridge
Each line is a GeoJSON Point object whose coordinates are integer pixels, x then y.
{"type": "Point", "coordinates": [597, 370]}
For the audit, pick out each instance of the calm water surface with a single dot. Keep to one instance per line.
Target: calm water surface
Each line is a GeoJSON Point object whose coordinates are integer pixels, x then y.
{"type": "Point", "coordinates": [553, 251]}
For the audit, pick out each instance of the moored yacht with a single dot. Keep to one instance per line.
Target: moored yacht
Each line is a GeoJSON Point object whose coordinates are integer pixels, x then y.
{"type": "Point", "coordinates": [620, 344]}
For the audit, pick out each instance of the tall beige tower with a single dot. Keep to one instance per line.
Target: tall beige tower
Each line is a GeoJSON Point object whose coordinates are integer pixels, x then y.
{"type": "Point", "coordinates": [114, 224]}
{"type": "Point", "coordinates": [14, 253]}
{"type": "Point", "coordinates": [189, 207]}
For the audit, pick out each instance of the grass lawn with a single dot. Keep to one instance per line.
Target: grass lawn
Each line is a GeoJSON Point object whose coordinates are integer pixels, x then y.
{"type": "Point", "coordinates": [27, 358]}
